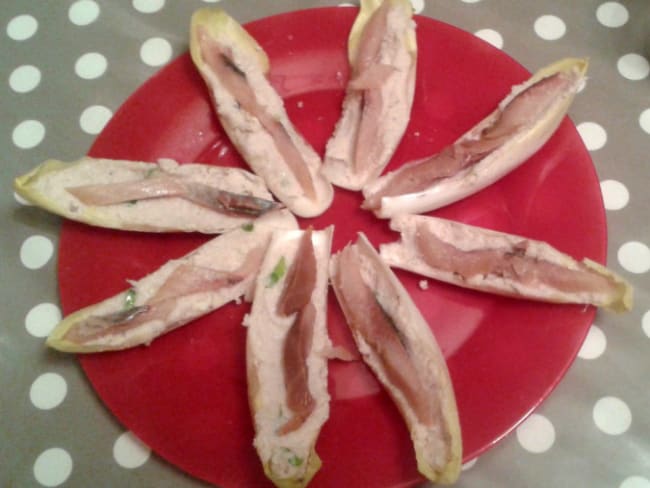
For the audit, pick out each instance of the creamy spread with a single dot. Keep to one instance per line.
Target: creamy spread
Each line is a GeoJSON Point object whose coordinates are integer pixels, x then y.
{"type": "Point", "coordinates": [286, 456]}
{"type": "Point", "coordinates": [396, 92]}
{"type": "Point", "coordinates": [605, 289]}
{"type": "Point", "coordinates": [226, 252]}
{"type": "Point", "coordinates": [253, 141]}
{"type": "Point", "coordinates": [47, 184]}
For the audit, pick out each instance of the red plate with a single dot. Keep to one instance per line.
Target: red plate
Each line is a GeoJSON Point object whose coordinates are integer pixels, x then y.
{"type": "Point", "coordinates": [185, 395]}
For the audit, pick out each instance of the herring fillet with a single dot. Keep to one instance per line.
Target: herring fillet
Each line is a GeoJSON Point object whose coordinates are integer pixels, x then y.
{"type": "Point", "coordinates": [221, 270]}
{"type": "Point", "coordinates": [382, 52]}
{"type": "Point", "coordinates": [521, 124]}
{"type": "Point", "coordinates": [234, 67]}
{"type": "Point", "coordinates": [286, 355]}
{"type": "Point", "coordinates": [398, 345]}
{"type": "Point", "coordinates": [501, 263]}
{"type": "Point", "coordinates": [59, 186]}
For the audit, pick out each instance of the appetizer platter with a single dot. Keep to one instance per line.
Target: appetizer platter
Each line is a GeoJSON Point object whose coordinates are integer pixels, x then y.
{"type": "Point", "coordinates": [256, 329]}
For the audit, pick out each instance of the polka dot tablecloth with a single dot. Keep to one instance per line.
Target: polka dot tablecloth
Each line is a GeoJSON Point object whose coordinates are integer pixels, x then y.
{"type": "Point", "coordinates": [66, 68]}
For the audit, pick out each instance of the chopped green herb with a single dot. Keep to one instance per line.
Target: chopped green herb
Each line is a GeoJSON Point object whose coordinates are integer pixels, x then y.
{"type": "Point", "coordinates": [295, 460]}
{"type": "Point", "coordinates": [131, 202]}
{"type": "Point", "coordinates": [248, 227]}
{"type": "Point", "coordinates": [129, 299]}
{"type": "Point", "coordinates": [277, 273]}
{"type": "Point", "coordinates": [150, 172]}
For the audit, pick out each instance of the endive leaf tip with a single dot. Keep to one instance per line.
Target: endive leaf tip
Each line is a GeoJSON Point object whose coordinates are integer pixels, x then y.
{"type": "Point", "coordinates": [23, 184]}
{"type": "Point", "coordinates": [56, 341]}
{"type": "Point", "coordinates": [446, 476]}
{"type": "Point", "coordinates": [583, 64]}
{"type": "Point", "coordinates": [314, 464]}
{"type": "Point", "coordinates": [218, 22]}
{"type": "Point", "coordinates": [627, 300]}
{"type": "Point", "coordinates": [569, 64]}
{"type": "Point", "coordinates": [19, 186]}
{"type": "Point", "coordinates": [623, 301]}
{"type": "Point", "coordinates": [366, 9]}
{"type": "Point", "coordinates": [207, 13]}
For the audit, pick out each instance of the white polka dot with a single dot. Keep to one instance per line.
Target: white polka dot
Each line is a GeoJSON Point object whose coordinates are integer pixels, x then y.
{"type": "Point", "coordinates": [148, 6]}
{"type": "Point", "coordinates": [549, 27]}
{"type": "Point", "coordinates": [612, 415]}
{"type": "Point", "coordinates": [24, 78]}
{"type": "Point", "coordinates": [52, 467]}
{"type": "Point", "coordinates": [48, 391]}
{"type": "Point", "coordinates": [90, 66]}
{"type": "Point", "coordinates": [633, 66]}
{"type": "Point", "coordinates": [615, 194]}
{"type": "Point", "coordinates": [635, 482]}
{"type": "Point", "coordinates": [469, 464]}
{"type": "Point", "coordinates": [155, 51]}
{"type": "Point", "coordinates": [645, 323]}
{"type": "Point", "coordinates": [644, 120]}
{"type": "Point", "coordinates": [129, 451]}
{"type": "Point", "coordinates": [418, 6]}
{"type": "Point", "coordinates": [22, 27]}
{"type": "Point", "coordinates": [340, 4]}
{"type": "Point", "coordinates": [36, 251]}
{"type": "Point", "coordinates": [634, 256]}
{"type": "Point", "coordinates": [94, 118]}
{"type": "Point", "coordinates": [41, 319]}
{"type": "Point", "coordinates": [28, 134]}
{"type": "Point", "coordinates": [471, 1]}
{"type": "Point", "coordinates": [83, 12]}
{"type": "Point", "coordinates": [593, 135]}
{"type": "Point", "coordinates": [491, 36]}
{"type": "Point", "coordinates": [612, 14]}
{"type": "Point", "coordinates": [594, 344]}
{"type": "Point", "coordinates": [536, 434]}
{"type": "Point", "coordinates": [21, 200]}
{"type": "Point", "coordinates": [211, 1]}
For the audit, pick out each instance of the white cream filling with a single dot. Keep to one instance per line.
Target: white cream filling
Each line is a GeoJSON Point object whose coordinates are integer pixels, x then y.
{"type": "Point", "coordinates": [160, 214]}
{"type": "Point", "coordinates": [404, 254]}
{"type": "Point", "coordinates": [429, 441]}
{"type": "Point", "coordinates": [226, 253]}
{"type": "Point", "coordinates": [258, 147]}
{"type": "Point", "coordinates": [528, 139]}
{"type": "Point", "coordinates": [286, 455]}
{"type": "Point", "coordinates": [397, 96]}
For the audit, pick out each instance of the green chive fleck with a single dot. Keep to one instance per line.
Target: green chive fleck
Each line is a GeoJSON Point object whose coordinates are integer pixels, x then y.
{"type": "Point", "coordinates": [295, 460]}
{"type": "Point", "coordinates": [277, 273]}
{"type": "Point", "coordinates": [248, 227]}
{"type": "Point", "coordinates": [129, 299]}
